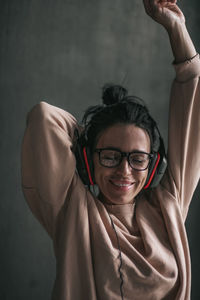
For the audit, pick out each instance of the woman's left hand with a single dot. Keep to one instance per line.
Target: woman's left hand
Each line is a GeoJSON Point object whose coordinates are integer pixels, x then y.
{"type": "Point", "coordinates": [165, 12]}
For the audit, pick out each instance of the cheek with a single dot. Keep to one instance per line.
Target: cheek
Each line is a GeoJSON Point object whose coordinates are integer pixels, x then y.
{"type": "Point", "coordinates": [142, 176]}
{"type": "Point", "coordinates": [97, 170]}
{"type": "Point", "coordinates": [100, 172]}
{"type": "Point", "coordinates": [144, 179]}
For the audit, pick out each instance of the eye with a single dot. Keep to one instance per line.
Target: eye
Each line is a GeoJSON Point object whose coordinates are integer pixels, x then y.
{"type": "Point", "coordinates": [110, 155]}
{"type": "Point", "coordinates": [139, 159]}
{"type": "Point", "coordinates": [109, 158]}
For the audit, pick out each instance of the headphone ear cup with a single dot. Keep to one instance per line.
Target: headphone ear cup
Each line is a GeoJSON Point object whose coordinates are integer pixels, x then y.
{"type": "Point", "coordinates": [159, 171]}
{"type": "Point", "coordinates": [157, 167]}
{"type": "Point", "coordinates": [89, 166]}
{"type": "Point", "coordinates": [84, 164]}
{"type": "Point", "coordinates": [152, 168]}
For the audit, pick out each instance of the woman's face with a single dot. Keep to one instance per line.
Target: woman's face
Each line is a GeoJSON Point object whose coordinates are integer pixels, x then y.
{"type": "Point", "coordinates": [120, 185]}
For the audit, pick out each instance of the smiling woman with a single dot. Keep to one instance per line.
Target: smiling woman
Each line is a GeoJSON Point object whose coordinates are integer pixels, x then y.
{"type": "Point", "coordinates": [122, 122]}
{"type": "Point", "coordinates": [120, 184]}
{"type": "Point", "coordinates": [129, 241]}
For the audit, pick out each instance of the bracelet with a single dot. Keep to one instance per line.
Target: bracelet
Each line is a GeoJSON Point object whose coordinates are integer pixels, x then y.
{"type": "Point", "coordinates": [190, 59]}
{"type": "Point", "coordinates": [187, 60]}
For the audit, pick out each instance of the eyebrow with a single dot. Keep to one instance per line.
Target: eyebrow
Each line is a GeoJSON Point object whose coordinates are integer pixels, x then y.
{"type": "Point", "coordinates": [118, 149]}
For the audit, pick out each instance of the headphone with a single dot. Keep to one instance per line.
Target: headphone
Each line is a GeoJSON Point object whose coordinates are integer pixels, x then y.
{"type": "Point", "coordinates": [85, 167]}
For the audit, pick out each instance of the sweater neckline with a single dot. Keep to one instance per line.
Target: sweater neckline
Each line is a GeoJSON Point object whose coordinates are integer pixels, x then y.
{"type": "Point", "coordinates": [121, 209]}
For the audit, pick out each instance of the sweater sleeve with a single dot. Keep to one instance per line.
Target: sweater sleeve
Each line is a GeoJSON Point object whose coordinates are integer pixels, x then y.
{"type": "Point", "coordinates": [184, 133]}
{"type": "Point", "coordinates": [47, 162]}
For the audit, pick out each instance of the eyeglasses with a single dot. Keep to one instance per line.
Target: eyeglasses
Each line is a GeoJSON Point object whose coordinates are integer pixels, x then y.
{"type": "Point", "coordinates": [112, 157]}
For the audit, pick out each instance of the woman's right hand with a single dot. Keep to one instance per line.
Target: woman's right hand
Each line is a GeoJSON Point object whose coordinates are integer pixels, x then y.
{"type": "Point", "coordinates": [165, 12]}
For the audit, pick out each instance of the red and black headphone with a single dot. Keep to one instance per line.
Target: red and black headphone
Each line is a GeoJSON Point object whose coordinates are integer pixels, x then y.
{"type": "Point", "coordinates": [85, 168]}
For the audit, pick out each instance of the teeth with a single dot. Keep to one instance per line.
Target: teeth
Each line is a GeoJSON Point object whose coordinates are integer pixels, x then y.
{"type": "Point", "coordinates": [122, 184]}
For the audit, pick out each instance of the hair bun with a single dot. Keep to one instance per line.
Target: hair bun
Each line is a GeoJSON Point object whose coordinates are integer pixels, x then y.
{"type": "Point", "coordinates": [113, 94]}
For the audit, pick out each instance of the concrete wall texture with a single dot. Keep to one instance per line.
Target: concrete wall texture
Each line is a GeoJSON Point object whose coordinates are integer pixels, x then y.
{"type": "Point", "coordinates": [63, 52]}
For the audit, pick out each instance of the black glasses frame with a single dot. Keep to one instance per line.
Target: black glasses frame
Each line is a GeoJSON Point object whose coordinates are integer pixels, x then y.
{"type": "Point", "coordinates": [123, 154]}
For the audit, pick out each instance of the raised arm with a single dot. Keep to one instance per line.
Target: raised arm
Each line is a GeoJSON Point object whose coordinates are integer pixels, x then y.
{"type": "Point", "coordinates": [169, 15]}
{"type": "Point", "coordinates": [48, 164]}
{"type": "Point", "coordinates": [183, 170]}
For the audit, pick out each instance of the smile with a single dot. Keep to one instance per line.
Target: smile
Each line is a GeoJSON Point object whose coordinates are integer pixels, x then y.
{"type": "Point", "coordinates": [120, 185]}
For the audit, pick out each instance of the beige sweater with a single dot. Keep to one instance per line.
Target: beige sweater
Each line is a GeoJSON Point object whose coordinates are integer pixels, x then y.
{"type": "Point", "coordinates": [151, 232]}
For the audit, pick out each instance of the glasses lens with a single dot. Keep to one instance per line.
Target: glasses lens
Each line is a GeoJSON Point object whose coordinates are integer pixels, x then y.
{"type": "Point", "coordinates": [110, 158]}
{"type": "Point", "coordinates": [139, 161]}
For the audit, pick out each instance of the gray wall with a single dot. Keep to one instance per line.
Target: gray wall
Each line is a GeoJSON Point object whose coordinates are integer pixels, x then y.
{"type": "Point", "coordinates": [63, 52]}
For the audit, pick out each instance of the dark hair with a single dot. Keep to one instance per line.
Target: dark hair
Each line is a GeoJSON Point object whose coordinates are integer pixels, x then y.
{"type": "Point", "coordinates": [118, 107]}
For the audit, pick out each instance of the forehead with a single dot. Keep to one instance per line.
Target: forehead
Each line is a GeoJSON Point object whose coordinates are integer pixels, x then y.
{"type": "Point", "coordinates": [126, 137]}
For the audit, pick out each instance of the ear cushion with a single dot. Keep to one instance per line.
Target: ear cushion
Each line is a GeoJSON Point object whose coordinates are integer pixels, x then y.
{"type": "Point", "coordinates": [152, 169]}
{"type": "Point", "coordinates": [89, 165]}
{"type": "Point", "coordinates": [157, 167]}
{"type": "Point", "coordinates": [84, 164]}
{"type": "Point", "coordinates": [159, 172]}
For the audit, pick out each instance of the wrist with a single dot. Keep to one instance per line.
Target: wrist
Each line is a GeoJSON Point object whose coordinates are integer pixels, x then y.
{"type": "Point", "coordinates": [181, 43]}
{"type": "Point", "coordinates": [176, 28]}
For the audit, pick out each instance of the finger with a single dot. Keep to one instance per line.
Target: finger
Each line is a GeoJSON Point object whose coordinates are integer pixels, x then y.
{"type": "Point", "coordinates": [162, 3]}
{"type": "Point", "coordinates": [169, 1]}
{"type": "Point", "coordinates": [151, 6]}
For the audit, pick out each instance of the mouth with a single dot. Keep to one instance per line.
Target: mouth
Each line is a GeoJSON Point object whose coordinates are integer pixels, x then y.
{"type": "Point", "coordinates": [122, 185]}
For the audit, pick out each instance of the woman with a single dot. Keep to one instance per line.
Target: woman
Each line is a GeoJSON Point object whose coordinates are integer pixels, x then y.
{"type": "Point", "coordinates": [130, 241]}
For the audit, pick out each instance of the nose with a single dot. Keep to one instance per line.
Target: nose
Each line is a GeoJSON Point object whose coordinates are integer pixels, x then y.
{"type": "Point", "coordinates": [124, 167]}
